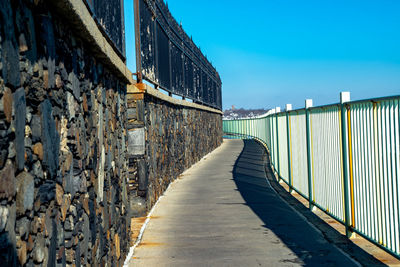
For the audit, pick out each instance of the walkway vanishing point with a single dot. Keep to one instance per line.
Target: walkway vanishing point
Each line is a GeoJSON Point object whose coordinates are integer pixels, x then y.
{"type": "Point", "coordinates": [224, 212]}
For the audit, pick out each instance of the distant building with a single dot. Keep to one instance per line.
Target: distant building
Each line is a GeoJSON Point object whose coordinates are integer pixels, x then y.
{"type": "Point", "coordinates": [231, 114]}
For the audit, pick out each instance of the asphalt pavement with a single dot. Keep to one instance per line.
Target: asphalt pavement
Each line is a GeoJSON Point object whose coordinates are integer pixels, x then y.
{"type": "Point", "coordinates": [223, 212]}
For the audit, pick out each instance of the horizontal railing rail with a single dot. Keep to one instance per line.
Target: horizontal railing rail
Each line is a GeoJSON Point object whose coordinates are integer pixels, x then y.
{"type": "Point", "coordinates": [344, 158]}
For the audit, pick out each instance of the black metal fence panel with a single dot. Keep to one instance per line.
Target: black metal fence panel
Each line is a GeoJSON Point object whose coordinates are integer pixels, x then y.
{"type": "Point", "coordinates": [168, 58]}
{"type": "Point", "coordinates": [109, 14]}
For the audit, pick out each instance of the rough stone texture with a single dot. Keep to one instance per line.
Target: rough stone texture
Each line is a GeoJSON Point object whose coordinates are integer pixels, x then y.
{"type": "Point", "coordinates": [25, 192]}
{"type": "Point", "coordinates": [20, 115]}
{"type": "Point", "coordinates": [64, 162]}
{"type": "Point", "coordinates": [63, 144]}
{"type": "Point", "coordinates": [7, 181]}
{"type": "Point", "coordinates": [176, 138]}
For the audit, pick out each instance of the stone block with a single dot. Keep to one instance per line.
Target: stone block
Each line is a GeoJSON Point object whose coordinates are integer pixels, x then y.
{"type": "Point", "coordinates": [47, 36]}
{"type": "Point", "coordinates": [59, 194]}
{"type": "Point", "coordinates": [136, 142]}
{"type": "Point", "coordinates": [3, 217]}
{"type": "Point", "coordinates": [23, 226]}
{"type": "Point", "coordinates": [20, 117]}
{"type": "Point", "coordinates": [117, 246]}
{"type": "Point", "coordinates": [74, 184]}
{"type": "Point", "coordinates": [7, 181]}
{"type": "Point", "coordinates": [50, 139]}
{"type": "Point", "coordinates": [100, 179]}
{"type": "Point", "coordinates": [142, 175]}
{"type": "Point", "coordinates": [10, 60]}
{"type": "Point", "coordinates": [25, 192]}
{"type": "Point", "coordinates": [36, 128]}
{"type": "Point", "coordinates": [39, 249]}
{"type": "Point", "coordinates": [46, 192]}
{"type": "Point", "coordinates": [7, 104]}
{"type": "Point", "coordinates": [140, 110]}
{"type": "Point", "coordinates": [38, 150]}
{"type": "Point", "coordinates": [21, 252]}
{"type": "Point", "coordinates": [74, 85]}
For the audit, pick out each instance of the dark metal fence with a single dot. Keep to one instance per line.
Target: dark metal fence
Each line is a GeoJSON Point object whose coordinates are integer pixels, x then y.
{"type": "Point", "coordinates": [167, 57]}
{"type": "Point", "coordinates": [109, 14]}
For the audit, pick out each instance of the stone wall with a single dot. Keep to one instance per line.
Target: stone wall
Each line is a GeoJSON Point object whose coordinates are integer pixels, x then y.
{"type": "Point", "coordinates": [175, 138]}
{"type": "Point", "coordinates": [79, 156]}
{"type": "Point", "coordinates": [63, 198]}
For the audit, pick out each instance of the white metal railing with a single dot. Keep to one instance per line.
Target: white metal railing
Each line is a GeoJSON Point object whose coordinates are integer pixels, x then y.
{"type": "Point", "coordinates": [344, 158]}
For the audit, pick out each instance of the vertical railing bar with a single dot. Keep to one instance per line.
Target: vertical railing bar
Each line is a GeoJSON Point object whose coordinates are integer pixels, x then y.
{"type": "Point", "coordinates": [387, 189]}
{"type": "Point", "coordinates": [396, 123]}
{"type": "Point", "coordinates": [339, 172]}
{"type": "Point", "coordinates": [317, 175]}
{"type": "Point", "coordinates": [372, 180]}
{"type": "Point", "coordinates": [390, 171]}
{"type": "Point", "coordinates": [368, 155]}
{"type": "Point", "coordinates": [363, 125]}
{"type": "Point", "coordinates": [367, 172]}
{"type": "Point", "coordinates": [312, 155]}
{"type": "Point", "coordinates": [331, 199]}
{"type": "Point", "coordinates": [289, 150]}
{"type": "Point", "coordinates": [309, 166]}
{"type": "Point", "coordinates": [335, 187]}
{"type": "Point", "coordinates": [389, 175]}
{"type": "Point", "coordinates": [342, 164]}
{"type": "Point", "coordinates": [325, 188]}
{"type": "Point", "coordinates": [277, 147]}
{"type": "Point", "coordinates": [384, 177]}
{"type": "Point", "coordinates": [379, 176]}
{"type": "Point", "coordinates": [334, 164]}
{"type": "Point", "coordinates": [345, 168]}
{"type": "Point", "coordinates": [337, 143]}
{"type": "Point", "coordinates": [137, 41]}
{"type": "Point", "coordinates": [362, 168]}
{"type": "Point", "coordinates": [354, 115]}
{"type": "Point", "coordinates": [392, 158]}
{"type": "Point", "coordinates": [350, 161]}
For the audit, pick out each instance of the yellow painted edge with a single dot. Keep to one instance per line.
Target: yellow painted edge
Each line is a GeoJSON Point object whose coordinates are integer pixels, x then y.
{"type": "Point", "coordinates": [351, 167]}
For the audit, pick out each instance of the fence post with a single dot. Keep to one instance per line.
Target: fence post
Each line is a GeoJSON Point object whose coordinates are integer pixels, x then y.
{"type": "Point", "coordinates": [277, 110]}
{"type": "Point", "coordinates": [309, 104]}
{"type": "Point", "coordinates": [289, 148]}
{"type": "Point", "coordinates": [344, 98]}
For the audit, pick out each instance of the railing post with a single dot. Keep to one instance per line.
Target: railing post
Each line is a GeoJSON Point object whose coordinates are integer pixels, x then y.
{"type": "Point", "coordinates": [277, 110]}
{"type": "Point", "coordinates": [137, 44]}
{"type": "Point", "coordinates": [288, 130]}
{"type": "Point", "coordinates": [309, 104]}
{"type": "Point", "coordinates": [345, 97]}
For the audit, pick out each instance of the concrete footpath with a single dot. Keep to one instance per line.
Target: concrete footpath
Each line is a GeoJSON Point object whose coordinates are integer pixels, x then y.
{"type": "Point", "coordinates": [223, 212]}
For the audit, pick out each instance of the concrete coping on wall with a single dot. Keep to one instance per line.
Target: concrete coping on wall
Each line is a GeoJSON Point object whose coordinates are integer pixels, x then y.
{"type": "Point", "coordinates": [132, 89]}
{"type": "Point", "coordinates": [77, 13]}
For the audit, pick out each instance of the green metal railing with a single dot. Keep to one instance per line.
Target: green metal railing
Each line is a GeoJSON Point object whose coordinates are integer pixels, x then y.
{"type": "Point", "coordinates": [344, 158]}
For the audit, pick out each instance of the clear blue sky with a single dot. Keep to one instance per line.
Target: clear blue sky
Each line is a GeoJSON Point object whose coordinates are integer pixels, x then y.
{"type": "Point", "coordinates": [273, 52]}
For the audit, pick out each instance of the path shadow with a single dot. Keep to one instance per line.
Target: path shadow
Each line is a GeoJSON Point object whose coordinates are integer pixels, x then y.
{"type": "Point", "coordinates": [310, 247]}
